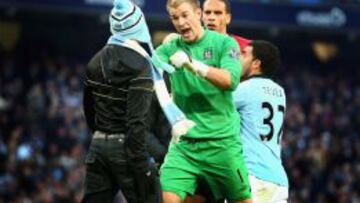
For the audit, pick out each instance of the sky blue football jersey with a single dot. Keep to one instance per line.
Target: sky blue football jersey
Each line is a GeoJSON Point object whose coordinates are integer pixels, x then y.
{"type": "Point", "coordinates": [261, 104]}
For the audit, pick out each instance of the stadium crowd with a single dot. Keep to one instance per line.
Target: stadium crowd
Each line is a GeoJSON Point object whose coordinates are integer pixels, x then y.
{"type": "Point", "coordinates": [43, 135]}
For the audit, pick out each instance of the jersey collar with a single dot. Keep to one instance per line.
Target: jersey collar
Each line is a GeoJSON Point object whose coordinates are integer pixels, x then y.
{"type": "Point", "coordinates": [258, 76]}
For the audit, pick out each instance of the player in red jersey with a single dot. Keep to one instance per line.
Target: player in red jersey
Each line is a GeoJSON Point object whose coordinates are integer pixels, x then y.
{"type": "Point", "coordinates": [217, 16]}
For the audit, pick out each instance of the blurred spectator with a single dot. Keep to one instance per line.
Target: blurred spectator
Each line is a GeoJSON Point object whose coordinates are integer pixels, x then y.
{"type": "Point", "coordinates": [42, 131]}
{"type": "Point", "coordinates": [321, 136]}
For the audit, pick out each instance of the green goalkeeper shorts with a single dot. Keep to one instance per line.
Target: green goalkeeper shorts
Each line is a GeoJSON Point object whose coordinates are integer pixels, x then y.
{"type": "Point", "coordinates": [219, 162]}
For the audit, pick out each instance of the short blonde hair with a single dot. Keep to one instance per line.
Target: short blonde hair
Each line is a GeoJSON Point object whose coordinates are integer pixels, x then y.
{"type": "Point", "coordinates": [176, 3]}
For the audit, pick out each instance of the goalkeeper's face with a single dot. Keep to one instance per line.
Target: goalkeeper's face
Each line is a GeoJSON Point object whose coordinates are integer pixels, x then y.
{"type": "Point", "coordinates": [186, 19]}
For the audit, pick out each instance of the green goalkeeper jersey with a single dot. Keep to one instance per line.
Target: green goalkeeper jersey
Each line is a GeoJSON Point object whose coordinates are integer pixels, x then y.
{"type": "Point", "coordinates": [210, 107]}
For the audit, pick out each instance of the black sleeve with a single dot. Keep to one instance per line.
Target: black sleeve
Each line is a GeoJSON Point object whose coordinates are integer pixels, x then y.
{"type": "Point", "coordinates": [88, 97]}
{"type": "Point", "coordinates": [88, 106]}
{"type": "Point", "coordinates": [138, 104]}
{"type": "Point", "coordinates": [155, 147]}
{"type": "Point", "coordinates": [159, 132]}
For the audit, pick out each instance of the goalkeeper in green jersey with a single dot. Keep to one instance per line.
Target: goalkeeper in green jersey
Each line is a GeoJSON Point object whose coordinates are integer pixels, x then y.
{"type": "Point", "coordinates": [208, 70]}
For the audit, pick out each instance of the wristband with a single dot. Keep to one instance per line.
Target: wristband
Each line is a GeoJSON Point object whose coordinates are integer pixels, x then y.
{"type": "Point", "coordinates": [200, 68]}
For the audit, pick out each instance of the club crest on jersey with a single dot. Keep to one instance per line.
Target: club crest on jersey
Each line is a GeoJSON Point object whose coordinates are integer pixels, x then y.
{"type": "Point", "coordinates": [208, 53]}
{"type": "Point", "coordinates": [234, 53]}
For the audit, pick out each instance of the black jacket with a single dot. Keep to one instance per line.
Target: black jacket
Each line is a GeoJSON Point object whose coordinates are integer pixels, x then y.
{"type": "Point", "coordinates": [117, 95]}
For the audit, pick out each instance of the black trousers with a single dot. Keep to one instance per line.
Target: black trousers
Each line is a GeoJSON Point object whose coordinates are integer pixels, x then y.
{"type": "Point", "coordinates": [107, 172]}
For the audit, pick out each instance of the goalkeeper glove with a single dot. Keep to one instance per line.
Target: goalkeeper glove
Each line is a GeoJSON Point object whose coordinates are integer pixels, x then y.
{"type": "Point", "coordinates": [181, 59]}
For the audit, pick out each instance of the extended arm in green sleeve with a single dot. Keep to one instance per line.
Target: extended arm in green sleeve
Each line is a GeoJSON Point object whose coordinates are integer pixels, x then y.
{"type": "Point", "coordinates": [162, 53]}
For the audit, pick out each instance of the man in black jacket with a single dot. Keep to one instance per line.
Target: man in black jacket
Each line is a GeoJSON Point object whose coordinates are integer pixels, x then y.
{"type": "Point", "coordinates": [117, 96]}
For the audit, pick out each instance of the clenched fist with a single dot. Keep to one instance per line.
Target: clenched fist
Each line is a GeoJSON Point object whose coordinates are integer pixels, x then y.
{"type": "Point", "coordinates": [179, 59]}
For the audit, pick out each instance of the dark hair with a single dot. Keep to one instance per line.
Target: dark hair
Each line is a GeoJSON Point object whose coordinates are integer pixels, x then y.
{"type": "Point", "coordinates": [268, 54]}
{"type": "Point", "coordinates": [227, 5]}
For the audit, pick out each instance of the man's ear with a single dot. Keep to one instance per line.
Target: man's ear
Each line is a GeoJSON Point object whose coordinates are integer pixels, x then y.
{"type": "Point", "coordinates": [198, 12]}
{"type": "Point", "coordinates": [257, 64]}
{"type": "Point", "coordinates": [228, 18]}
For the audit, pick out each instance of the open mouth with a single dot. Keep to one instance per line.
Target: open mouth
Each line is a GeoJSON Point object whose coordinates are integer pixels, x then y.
{"type": "Point", "coordinates": [185, 32]}
{"type": "Point", "coordinates": [211, 26]}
